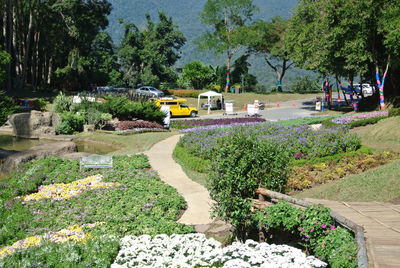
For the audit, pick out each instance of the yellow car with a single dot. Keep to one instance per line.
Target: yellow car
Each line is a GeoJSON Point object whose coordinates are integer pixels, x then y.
{"type": "Point", "coordinates": [177, 107]}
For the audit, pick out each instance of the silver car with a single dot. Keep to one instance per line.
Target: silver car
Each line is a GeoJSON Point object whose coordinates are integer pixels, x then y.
{"type": "Point", "coordinates": [150, 92]}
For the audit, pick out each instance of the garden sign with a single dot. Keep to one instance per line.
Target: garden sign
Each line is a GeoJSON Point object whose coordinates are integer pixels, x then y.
{"type": "Point", "coordinates": [96, 161]}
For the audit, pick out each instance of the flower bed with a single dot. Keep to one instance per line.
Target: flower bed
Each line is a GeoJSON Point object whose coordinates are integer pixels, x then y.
{"type": "Point", "coordinates": [72, 233]}
{"type": "Point", "coordinates": [195, 250]}
{"type": "Point", "coordinates": [62, 191]}
{"type": "Point", "coordinates": [182, 124]}
{"type": "Point", "coordinates": [142, 204]}
{"type": "Point", "coordinates": [299, 140]}
{"type": "Point", "coordinates": [360, 119]}
{"type": "Point", "coordinates": [125, 125]}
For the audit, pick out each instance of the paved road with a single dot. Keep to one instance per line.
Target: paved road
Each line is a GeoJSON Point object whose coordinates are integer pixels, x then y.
{"type": "Point", "coordinates": [279, 111]}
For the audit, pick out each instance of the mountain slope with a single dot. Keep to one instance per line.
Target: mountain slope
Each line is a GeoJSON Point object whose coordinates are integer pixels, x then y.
{"type": "Point", "coordinates": [185, 14]}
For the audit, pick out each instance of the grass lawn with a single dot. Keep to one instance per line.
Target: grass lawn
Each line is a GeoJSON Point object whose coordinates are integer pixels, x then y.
{"type": "Point", "coordinates": [381, 184]}
{"type": "Point", "coordinates": [130, 144]}
{"type": "Point", "coordinates": [383, 135]}
{"type": "Point", "coordinates": [245, 98]}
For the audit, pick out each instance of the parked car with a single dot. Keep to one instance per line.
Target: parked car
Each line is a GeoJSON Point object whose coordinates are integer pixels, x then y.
{"type": "Point", "coordinates": [365, 88]}
{"type": "Point", "coordinates": [150, 92]}
{"type": "Point", "coordinates": [177, 107]}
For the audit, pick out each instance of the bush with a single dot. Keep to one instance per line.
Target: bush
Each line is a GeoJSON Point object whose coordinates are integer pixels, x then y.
{"type": "Point", "coordinates": [125, 109]}
{"type": "Point", "coordinates": [394, 112]}
{"type": "Point", "coordinates": [338, 248]}
{"type": "Point", "coordinates": [7, 107]}
{"type": "Point", "coordinates": [305, 84]}
{"type": "Point", "coordinates": [97, 118]}
{"type": "Point", "coordinates": [40, 104]}
{"type": "Point", "coordinates": [125, 125]}
{"type": "Point", "coordinates": [62, 103]}
{"type": "Point", "coordinates": [241, 165]}
{"type": "Point", "coordinates": [70, 122]}
{"type": "Point", "coordinates": [314, 225]}
{"type": "Point", "coordinates": [183, 93]}
{"type": "Point", "coordinates": [192, 162]}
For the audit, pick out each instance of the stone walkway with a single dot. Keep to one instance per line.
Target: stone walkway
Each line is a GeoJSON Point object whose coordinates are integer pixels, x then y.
{"type": "Point", "coordinates": [381, 222]}
{"type": "Point", "coordinates": [196, 196]}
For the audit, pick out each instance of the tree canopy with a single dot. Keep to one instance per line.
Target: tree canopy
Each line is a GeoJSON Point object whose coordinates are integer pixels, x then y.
{"type": "Point", "coordinates": [346, 38]}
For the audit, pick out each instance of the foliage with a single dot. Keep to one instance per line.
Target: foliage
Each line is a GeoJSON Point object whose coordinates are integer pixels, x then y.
{"type": "Point", "coordinates": [183, 124]}
{"type": "Point", "coordinates": [190, 161]}
{"type": "Point", "coordinates": [7, 107]}
{"type": "Point", "coordinates": [240, 165]}
{"type": "Point", "coordinates": [304, 84]}
{"type": "Point", "coordinates": [183, 93]}
{"type": "Point", "coordinates": [266, 39]}
{"type": "Point", "coordinates": [40, 104]}
{"type": "Point", "coordinates": [338, 249]}
{"type": "Point", "coordinates": [203, 141]}
{"type": "Point", "coordinates": [347, 45]}
{"type": "Point", "coordinates": [97, 118]}
{"type": "Point", "coordinates": [124, 125]}
{"type": "Point", "coordinates": [227, 19]}
{"type": "Point", "coordinates": [62, 103]}
{"type": "Point", "coordinates": [5, 59]}
{"type": "Point", "coordinates": [332, 244]}
{"type": "Point", "coordinates": [70, 122]}
{"type": "Point", "coordinates": [197, 75]}
{"type": "Point", "coordinates": [147, 56]}
{"type": "Point", "coordinates": [141, 205]}
{"type": "Point", "coordinates": [394, 112]}
{"type": "Point", "coordinates": [305, 120]}
{"type": "Point", "coordinates": [125, 109]}
{"type": "Point", "coordinates": [357, 119]}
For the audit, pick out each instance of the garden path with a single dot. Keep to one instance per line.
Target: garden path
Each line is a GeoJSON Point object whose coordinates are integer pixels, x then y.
{"type": "Point", "coordinates": [196, 196]}
{"type": "Point", "coordinates": [381, 222]}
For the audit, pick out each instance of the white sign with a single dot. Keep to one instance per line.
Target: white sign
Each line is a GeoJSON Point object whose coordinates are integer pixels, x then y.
{"type": "Point", "coordinates": [229, 108]}
{"type": "Point", "coordinates": [251, 109]}
{"type": "Point", "coordinates": [318, 106]}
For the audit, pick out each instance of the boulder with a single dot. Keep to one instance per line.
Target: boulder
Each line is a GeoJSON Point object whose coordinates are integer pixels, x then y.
{"type": "Point", "coordinates": [34, 124]}
{"type": "Point", "coordinates": [37, 152]}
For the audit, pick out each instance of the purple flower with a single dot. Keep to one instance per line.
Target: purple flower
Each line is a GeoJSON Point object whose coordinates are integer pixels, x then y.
{"type": "Point", "coordinates": [323, 226]}
{"type": "Point", "coordinates": [333, 227]}
{"type": "Point", "coordinates": [147, 205]}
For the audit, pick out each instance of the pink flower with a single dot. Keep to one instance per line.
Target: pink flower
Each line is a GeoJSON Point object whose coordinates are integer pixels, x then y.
{"type": "Point", "coordinates": [323, 225]}
{"type": "Point", "coordinates": [301, 229]}
{"type": "Point", "coordinates": [327, 231]}
{"type": "Point", "coordinates": [307, 236]}
{"type": "Point", "coordinates": [312, 230]}
{"type": "Point", "coordinates": [333, 227]}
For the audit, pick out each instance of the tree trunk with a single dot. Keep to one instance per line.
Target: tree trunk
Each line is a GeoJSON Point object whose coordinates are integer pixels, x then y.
{"type": "Point", "coordinates": [228, 71]}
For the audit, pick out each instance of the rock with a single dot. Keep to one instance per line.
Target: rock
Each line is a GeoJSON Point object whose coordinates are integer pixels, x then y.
{"type": "Point", "coordinates": [88, 128]}
{"type": "Point", "coordinates": [33, 124]}
{"type": "Point", "coordinates": [37, 152]}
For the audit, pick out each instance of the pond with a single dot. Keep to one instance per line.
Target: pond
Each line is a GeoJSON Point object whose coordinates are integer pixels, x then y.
{"type": "Point", "coordinates": [8, 142]}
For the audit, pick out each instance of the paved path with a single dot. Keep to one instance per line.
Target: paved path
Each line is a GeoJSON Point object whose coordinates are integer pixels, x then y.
{"type": "Point", "coordinates": [381, 222]}
{"type": "Point", "coordinates": [195, 195]}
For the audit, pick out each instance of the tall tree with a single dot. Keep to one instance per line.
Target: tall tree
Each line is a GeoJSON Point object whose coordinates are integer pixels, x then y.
{"type": "Point", "coordinates": [346, 38]}
{"type": "Point", "coordinates": [198, 75]}
{"type": "Point", "coordinates": [266, 39]}
{"type": "Point", "coordinates": [45, 35]}
{"type": "Point", "coordinates": [227, 17]}
{"type": "Point", "coordinates": [148, 56]}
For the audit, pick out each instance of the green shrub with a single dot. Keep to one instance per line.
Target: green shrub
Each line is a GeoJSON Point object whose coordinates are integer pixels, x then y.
{"type": "Point", "coordinates": [192, 162]}
{"type": "Point", "coordinates": [70, 122]}
{"type": "Point", "coordinates": [305, 84]}
{"type": "Point", "coordinates": [314, 225]}
{"type": "Point", "coordinates": [125, 109]}
{"type": "Point", "coordinates": [7, 107]}
{"type": "Point", "coordinates": [97, 118]}
{"type": "Point", "coordinates": [40, 104]}
{"type": "Point", "coordinates": [338, 248]}
{"type": "Point", "coordinates": [368, 121]}
{"type": "Point", "coordinates": [394, 112]}
{"type": "Point", "coordinates": [241, 165]}
{"type": "Point", "coordinates": [62, 103]}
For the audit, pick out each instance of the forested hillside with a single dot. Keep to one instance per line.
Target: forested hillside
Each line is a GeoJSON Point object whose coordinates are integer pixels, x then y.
{"type": "Point", "coordinates": [186, 15]}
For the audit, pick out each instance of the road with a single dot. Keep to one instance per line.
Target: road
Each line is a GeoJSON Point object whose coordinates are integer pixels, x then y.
{"type": "Point", "coordinates": [278, 111]}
